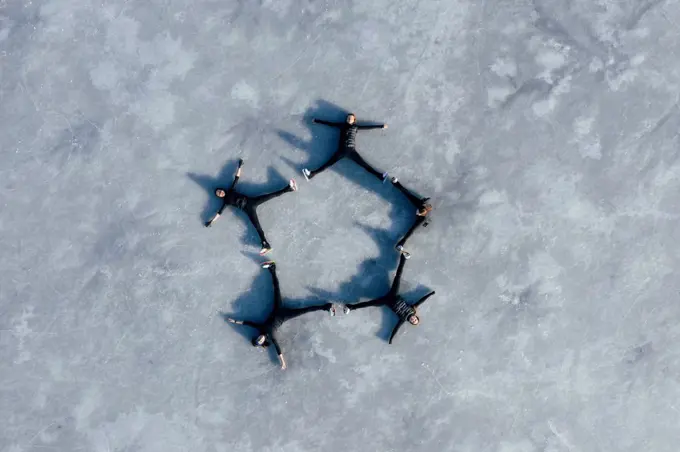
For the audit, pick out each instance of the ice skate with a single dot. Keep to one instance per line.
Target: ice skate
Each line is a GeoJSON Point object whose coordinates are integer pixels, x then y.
{"type": "Point", "coordinates": [395, 180]}
{"type": "Point", "coordinates": [384, 177]}
{"type": "Point", "coordinates": [306, 173]}
{"type": "Point", "coordinates": [293, 185]}
{"type": "Point", "coordinates": [268, 264]}
{"type": "Point", "coordinates": [405, 253]}
{"type": "Point", "coordinates": [346, 309]}
{"type": "Point", "coordinates": [265, 249]}
{"type": "Point", "coordinates": [331, 311]}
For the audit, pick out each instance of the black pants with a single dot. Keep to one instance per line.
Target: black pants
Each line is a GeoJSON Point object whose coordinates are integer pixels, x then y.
{"type": "Point", "coordinates": [251, 210]}
{"type": "Point", "coordinates": [353, 155]}
{"type": "Point", "coordinates": [367, 304]}
{"type": "Point", "coordinates": [277, 289]}
{"type": "Point", "coordinates": [415, 200]}
{"type": "Point", "coordinates": [416, 224]}
{"type": "Point", "coordinates": [288, 314]}
{"type": "Point", "coordinates": [394, 290]}
{"type": "Point", "coordinates": [391, 295]}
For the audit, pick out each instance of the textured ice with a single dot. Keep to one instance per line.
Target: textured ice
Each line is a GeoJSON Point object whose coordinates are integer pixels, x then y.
{"type": "Point", "coordinates": [545, 132]}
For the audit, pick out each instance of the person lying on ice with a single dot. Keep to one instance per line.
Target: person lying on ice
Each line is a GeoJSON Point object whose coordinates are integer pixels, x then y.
{"type": "Point", "coordinates": [248, 204]}
{"type": "Point", "coordinates": [423, 209]}
{"type": "Point", "coordinates": [267, 330]}
{"type": "Point", "coordinates": [346, 147]}
{"type": "Point", "coordinates": [404, 311]}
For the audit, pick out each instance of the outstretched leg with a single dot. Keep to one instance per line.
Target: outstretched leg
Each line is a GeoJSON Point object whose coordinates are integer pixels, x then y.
{"type": "Point", "coordinates": [415, 200]}
{"type": "Point", "coordinates": [275, 282]}
{"type": "Point", "coordinates": [293, 313]}
{"type": "Point", "coordinates": [397, 277]}
{"type": "Point", "coordinates": [257, 200]}
{"type": "Point", "coordinates": [252, 215]}
{"type": "Point", "coordinates": [339, 154]}
{"type": "Point", "coordinates": [416, 224]}
{"type": "Point", "coordinates": [364, 304]}
{"type": "Point", "coordinates": [354, 156]}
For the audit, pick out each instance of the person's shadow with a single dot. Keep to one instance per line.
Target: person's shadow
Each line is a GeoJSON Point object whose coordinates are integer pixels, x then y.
{"type": "Point", "coordinates": [373, 279]}
{"type": "Point", "coordinates": [324, 142]}
{"type": "Point", "coordinates": [256, 304]}
{"type": "Point", "coordinates": [224, 179]}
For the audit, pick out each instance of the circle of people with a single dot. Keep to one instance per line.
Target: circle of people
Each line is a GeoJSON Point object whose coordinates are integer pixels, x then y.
{"type": "Point", "coordinates": [266, 331]}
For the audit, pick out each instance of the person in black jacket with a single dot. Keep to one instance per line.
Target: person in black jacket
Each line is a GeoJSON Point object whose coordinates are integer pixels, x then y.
{"type": "Point", "coordinates": [267, 329]}
{"type": "Point", "coordinates": [423, 209]}
{"type": "Point", "coordinates": [231, 197]}
{"type": "Point", "coordinates": [405, 312]}
{"type": "Point", "coordinates": [346, 147]}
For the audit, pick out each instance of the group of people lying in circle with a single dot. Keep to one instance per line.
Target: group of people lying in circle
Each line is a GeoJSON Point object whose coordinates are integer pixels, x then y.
{"type": "Point", "coordinates": [266, 330]}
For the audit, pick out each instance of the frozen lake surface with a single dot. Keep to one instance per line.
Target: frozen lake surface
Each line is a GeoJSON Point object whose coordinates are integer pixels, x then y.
{"type": "Point", "coordinates": [546, 133]}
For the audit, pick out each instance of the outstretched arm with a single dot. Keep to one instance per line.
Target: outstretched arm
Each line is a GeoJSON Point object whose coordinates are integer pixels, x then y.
{"type": "Point", "coordinates": [233, 184]}
{"type": "Point", "coordinates": [216, 216]}
{"type": "Point", "coordinates": [238, 174]}
{"type": "Point", "coordinates": [422, 300]}
{"type": "Point", "coordinates": [242, 322]}
{"type": "Point", "coordinates": [327, 123]}
{"type": "Point", "coordinates": [395, 329]}
{"type": "Point", "coordinates": [279, 353]}
{"type": "Point", "coordinates": [372, 126]}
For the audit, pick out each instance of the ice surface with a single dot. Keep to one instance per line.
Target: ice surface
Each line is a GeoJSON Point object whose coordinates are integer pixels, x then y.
{"type": "Point", "coordinates": [545, 132]}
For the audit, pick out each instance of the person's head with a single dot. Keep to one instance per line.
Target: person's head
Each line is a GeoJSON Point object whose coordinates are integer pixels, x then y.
{"type": "Point", "coordinates": [351, 119]}
{"type": "Point", "coordinates": [260, 341]}
{"type": "Point", "coordinates": [220, 192]}
{"type": "Point", "coordinates": [413, 319]}
{"type": "Point", "coordinates": [424, 210]}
